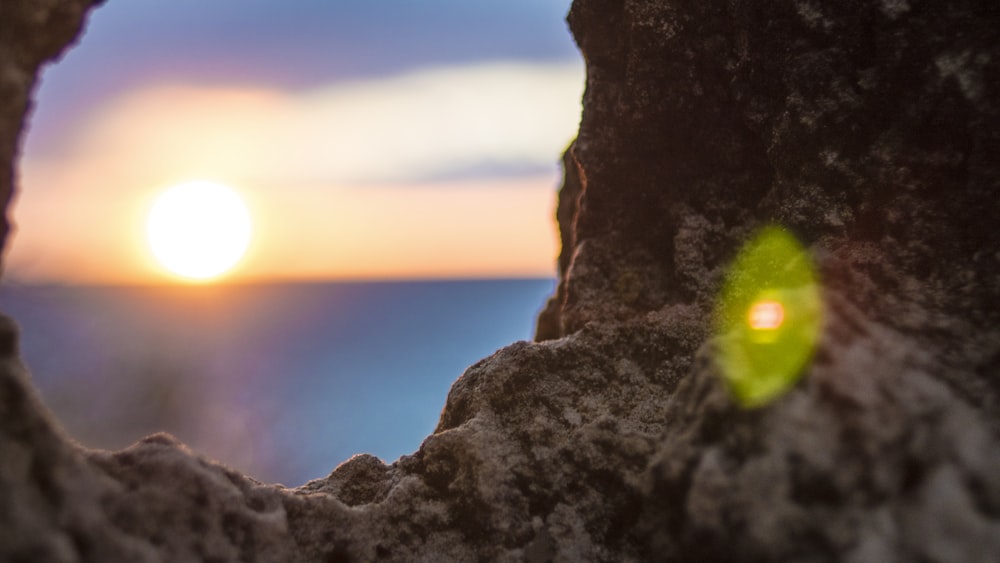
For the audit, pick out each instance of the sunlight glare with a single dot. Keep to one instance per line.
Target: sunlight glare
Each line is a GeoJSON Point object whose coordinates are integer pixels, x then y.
{"type": "Point", "coordinates": [199, 230]}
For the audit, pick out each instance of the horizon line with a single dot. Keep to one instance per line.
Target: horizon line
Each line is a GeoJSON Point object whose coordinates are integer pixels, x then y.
{"type": "Point", "coordinates": [194, 284]}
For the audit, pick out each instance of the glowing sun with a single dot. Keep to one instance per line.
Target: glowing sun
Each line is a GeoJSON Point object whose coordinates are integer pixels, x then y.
{"type": "Point", "coordinates": [198, 230]}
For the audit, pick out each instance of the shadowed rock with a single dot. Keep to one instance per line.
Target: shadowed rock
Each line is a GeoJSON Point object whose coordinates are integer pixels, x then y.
{"type": "Point", "coordinates": [869, 129]}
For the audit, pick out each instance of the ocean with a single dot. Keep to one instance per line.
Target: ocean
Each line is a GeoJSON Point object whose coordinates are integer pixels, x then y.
{"type": "Point", "coordinates": [281, 381]}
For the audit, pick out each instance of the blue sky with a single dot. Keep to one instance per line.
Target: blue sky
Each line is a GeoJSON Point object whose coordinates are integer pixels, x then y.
{"type": "Point", "coordinates": [295, 45]}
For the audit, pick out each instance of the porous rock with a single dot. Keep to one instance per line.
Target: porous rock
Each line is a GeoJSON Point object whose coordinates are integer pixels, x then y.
{"type": "Point", "coordinates": [869, 128]}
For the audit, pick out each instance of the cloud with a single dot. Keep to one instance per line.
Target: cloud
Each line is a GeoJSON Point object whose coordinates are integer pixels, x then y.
{"type": "Point", "coordinates": [427, 124]}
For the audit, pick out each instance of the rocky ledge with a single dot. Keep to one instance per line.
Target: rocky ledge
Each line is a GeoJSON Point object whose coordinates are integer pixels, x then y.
{"type": "Point", "coordinates": [867, 128]}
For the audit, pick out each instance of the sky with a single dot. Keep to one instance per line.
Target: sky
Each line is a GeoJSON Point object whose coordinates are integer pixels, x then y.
{"type": "Point", "coordinates": [370, 140]}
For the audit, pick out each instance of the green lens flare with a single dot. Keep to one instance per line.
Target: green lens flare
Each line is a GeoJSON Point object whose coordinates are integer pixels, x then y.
{"type": "Point", "coordinates": [768, 317]}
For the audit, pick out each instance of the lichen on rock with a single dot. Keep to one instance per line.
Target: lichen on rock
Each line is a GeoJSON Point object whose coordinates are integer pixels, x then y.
{"type": "Point", "coordinates": [868, 128]}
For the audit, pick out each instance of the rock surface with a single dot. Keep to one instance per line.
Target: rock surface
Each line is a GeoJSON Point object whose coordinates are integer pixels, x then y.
{"type": "Point", "coordinates": [869, 128]}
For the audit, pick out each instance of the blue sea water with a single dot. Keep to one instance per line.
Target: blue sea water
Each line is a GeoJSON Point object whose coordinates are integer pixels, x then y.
{"type": "Point", "coordinates": [282, 381]}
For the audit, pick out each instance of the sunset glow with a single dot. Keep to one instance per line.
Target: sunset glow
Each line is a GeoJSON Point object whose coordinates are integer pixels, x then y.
{"type": "Point", "coordinates": [198, 230]}
{"type": "Point", "coordinates": [444, 172]}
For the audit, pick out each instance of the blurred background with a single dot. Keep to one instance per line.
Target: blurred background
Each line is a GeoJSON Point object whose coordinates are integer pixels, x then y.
{"type": "Point", "coordinates": [400, 164]}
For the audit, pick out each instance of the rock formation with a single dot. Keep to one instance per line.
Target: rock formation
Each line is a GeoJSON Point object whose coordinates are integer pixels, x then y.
{"type": "Point", "coordinates": [868, 128]}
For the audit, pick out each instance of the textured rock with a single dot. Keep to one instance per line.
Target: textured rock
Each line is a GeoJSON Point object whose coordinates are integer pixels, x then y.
{"type": "Point", "coordinates": [868, 128]}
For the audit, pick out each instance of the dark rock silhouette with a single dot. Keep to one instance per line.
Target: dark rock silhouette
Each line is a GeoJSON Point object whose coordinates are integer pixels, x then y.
{"type": "Point", "coordinates": [869, 129]}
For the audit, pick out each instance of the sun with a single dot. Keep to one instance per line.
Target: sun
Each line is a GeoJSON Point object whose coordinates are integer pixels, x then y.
{"type": "Point", "coordinates": [198, 230]}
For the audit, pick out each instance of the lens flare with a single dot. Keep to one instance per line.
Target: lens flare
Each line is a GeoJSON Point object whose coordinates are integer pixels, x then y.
{"type": "Point", "coordinates": [768, 317]}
